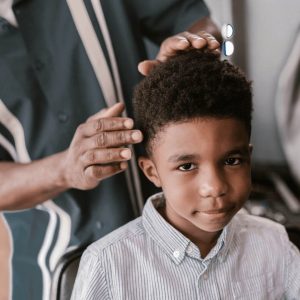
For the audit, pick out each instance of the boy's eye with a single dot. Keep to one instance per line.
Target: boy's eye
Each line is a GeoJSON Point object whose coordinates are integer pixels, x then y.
{"type": "Point", "coordinates": [233, 161]}
{"type": "Point", "coordinates": [187, 167]}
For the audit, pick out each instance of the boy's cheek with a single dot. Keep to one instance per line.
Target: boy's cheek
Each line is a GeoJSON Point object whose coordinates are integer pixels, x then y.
{"type": "Point", "coordinates": [177, 189]}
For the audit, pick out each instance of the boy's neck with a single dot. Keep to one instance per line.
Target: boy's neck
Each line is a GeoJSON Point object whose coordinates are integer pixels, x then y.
{"type": "Point", "coordinates": [204, 240]}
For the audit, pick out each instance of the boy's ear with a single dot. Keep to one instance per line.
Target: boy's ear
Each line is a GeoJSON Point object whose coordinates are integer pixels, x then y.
{"type": "Point", "coordinates": [149, 169]}
{"type": "Point", "coordinates": [250, 148]}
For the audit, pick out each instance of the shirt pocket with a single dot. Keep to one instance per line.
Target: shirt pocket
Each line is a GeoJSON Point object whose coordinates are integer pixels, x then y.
{"type": "Point", "coordinates": [260, 287]}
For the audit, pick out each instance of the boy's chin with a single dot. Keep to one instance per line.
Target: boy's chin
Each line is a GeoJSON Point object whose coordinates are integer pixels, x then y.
{"type": "Point", "coordinates": [214, 227]}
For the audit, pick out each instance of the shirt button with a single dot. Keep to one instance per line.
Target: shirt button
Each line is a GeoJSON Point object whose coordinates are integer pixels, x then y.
{"type": "Point", "coordinates": [205, 276]}
{"type": "Point", "coordinates": [189, 249]}
{"type": "Point", "coordinates": [98, 225]}
{"type": "Point", "coordinates": [176, 253]}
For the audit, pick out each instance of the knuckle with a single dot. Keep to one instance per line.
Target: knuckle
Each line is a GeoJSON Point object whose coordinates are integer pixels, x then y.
{"type": "Point", "coordinates": [114, 124]}
{"type": "Point", "coordinates": [101, 140]}
{"type": "Point", "coordinates": [110, 155]}
{"type": "Point", "coordinates": [80, 129]}
{"type": "Point", "coordinates": [97, 172]}
{"type": "Point", "coordinates": [121, 137]}
{"type": "Point", "coordinates": [166, 43]}
{"type": "Point", "coordinates": [90, 157]}
{"type": "Point", "coordinates": [99, 125]}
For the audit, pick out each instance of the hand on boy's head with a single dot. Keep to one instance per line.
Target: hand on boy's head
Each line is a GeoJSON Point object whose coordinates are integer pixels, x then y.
{"type": "Point", "coordinates": [182, 41]}
{"type": "Point", "coordinates": [99, 148]}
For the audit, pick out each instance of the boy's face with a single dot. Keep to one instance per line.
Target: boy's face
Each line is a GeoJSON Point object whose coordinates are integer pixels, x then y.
{"type": "Point", "coordinates": [203, 167]}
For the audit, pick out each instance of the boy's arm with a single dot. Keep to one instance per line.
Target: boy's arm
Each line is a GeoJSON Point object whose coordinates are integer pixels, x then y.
{"type": "Point", "coordinates": [90, 283]}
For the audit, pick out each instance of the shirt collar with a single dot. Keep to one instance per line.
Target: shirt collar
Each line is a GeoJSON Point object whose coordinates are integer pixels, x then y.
{"type": "Point", "coordinates": [231, 228]}
{"type": "Point", "coordinates": [173, 242]}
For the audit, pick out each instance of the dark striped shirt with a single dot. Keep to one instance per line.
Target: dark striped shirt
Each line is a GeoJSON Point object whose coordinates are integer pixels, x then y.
{"type": "Point", "coordinates": [150, 259]}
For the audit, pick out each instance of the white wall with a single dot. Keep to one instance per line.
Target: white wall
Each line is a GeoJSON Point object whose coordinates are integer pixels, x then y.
{"type": "Point", "coordinates": [264, 34]}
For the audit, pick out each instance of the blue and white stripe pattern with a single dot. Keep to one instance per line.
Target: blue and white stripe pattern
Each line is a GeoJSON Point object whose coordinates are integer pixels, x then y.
{"type": "Point", "coordinates": [149, 259]}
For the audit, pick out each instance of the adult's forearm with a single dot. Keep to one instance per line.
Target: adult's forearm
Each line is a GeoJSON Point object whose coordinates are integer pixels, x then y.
{"type": "Point", "coordinates": [26, 185]}
{"type": "Point", "coordinates": [98, 151]}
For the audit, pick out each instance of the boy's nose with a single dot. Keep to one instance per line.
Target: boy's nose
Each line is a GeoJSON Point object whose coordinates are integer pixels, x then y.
{"type": "Point", "coordinates": [212, 184]}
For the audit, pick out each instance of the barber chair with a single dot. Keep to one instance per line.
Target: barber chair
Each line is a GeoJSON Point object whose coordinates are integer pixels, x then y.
{"type": "Point", "coordinates": [65, 274]}
{"type": "Point", "coordinates": [294, 235]}
{"type": "Point", "coordinates": [276, 195]}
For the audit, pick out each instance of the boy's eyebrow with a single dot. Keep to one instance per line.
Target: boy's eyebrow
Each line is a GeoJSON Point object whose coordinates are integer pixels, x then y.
{"type": "Point", "coordinates": [244, 150]}
{"type": "Point", "coordinates": [183, 157]}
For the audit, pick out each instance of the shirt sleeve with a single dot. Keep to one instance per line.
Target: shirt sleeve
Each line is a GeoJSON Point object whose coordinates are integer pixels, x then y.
{"type": "Point", "coordinates": [90, 283]}
{"type": "Point", "coordinates": [292, 278]}
{"type": "Point", "coordinates": [160, 19]}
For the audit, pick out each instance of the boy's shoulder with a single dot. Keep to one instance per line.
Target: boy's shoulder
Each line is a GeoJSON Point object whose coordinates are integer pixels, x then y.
{"type": "Point", "coordinates": [258, 226]}
{"type": "Point", "coordinates": [130, 231]}
{"type": "Point", "coordinates": [254, 238]}
{"type": "Point", "coordinates": [257, 221]}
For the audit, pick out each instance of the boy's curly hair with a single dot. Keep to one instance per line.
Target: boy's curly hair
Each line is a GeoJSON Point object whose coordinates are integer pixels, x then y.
{"type": "Point", "coordinates": [192, 84]}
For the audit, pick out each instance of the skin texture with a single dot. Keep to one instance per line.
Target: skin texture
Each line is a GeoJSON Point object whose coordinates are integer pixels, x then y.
{"type": "Point", "coordinates": [203, 167]}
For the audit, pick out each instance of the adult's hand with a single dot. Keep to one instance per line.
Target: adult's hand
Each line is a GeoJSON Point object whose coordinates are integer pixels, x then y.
{"type": "Point", "coordinates": [98, 149]}
{"type": "Point", "coordinates": [194, 37]}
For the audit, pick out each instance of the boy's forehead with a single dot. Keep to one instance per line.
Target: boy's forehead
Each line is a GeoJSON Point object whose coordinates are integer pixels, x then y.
{"type": "Point", "coordinates": [222, 133]}
{"type": "Point", "coordinates": [205, 122]}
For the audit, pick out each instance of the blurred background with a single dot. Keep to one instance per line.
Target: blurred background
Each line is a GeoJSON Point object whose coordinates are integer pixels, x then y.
{"type": "Point", "coordinates": [264, 35]}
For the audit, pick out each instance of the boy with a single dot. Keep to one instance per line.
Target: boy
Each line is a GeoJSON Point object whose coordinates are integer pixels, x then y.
{"type": "Point", "coordinates": [191, 241]}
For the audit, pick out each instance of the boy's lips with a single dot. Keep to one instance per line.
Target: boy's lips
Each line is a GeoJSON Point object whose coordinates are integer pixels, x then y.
{"type": "Point", "coordinates": [217, 211]}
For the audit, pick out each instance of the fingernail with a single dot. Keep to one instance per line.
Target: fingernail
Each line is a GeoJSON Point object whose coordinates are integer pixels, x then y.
{"type": "Point", "coordinates": [136, 136]}
{"type": "Point", "coordinates": [123, 165]}
{"type": "Point", "coordinates": [128, 123]}
{"type": "Point", "coordinates": [126, 153]}
{"type": "Point", "coordinates": [184, 41]}
{"type": "Point", "coordinates": [215, 42]}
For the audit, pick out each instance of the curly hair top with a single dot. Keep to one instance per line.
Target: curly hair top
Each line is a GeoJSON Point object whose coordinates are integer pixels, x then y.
{"type": "Point", "coordinates": [190, 85]}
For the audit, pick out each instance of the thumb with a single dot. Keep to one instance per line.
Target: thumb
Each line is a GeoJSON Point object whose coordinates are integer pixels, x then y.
{"type": "Point", "coordinates": [146, 66]}
{"type": "Point", "coordinates": [113, 111]}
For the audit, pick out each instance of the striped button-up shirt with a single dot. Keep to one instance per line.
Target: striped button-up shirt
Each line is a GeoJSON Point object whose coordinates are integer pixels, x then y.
{"type": "Point", "coordinates": [149, 259]}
